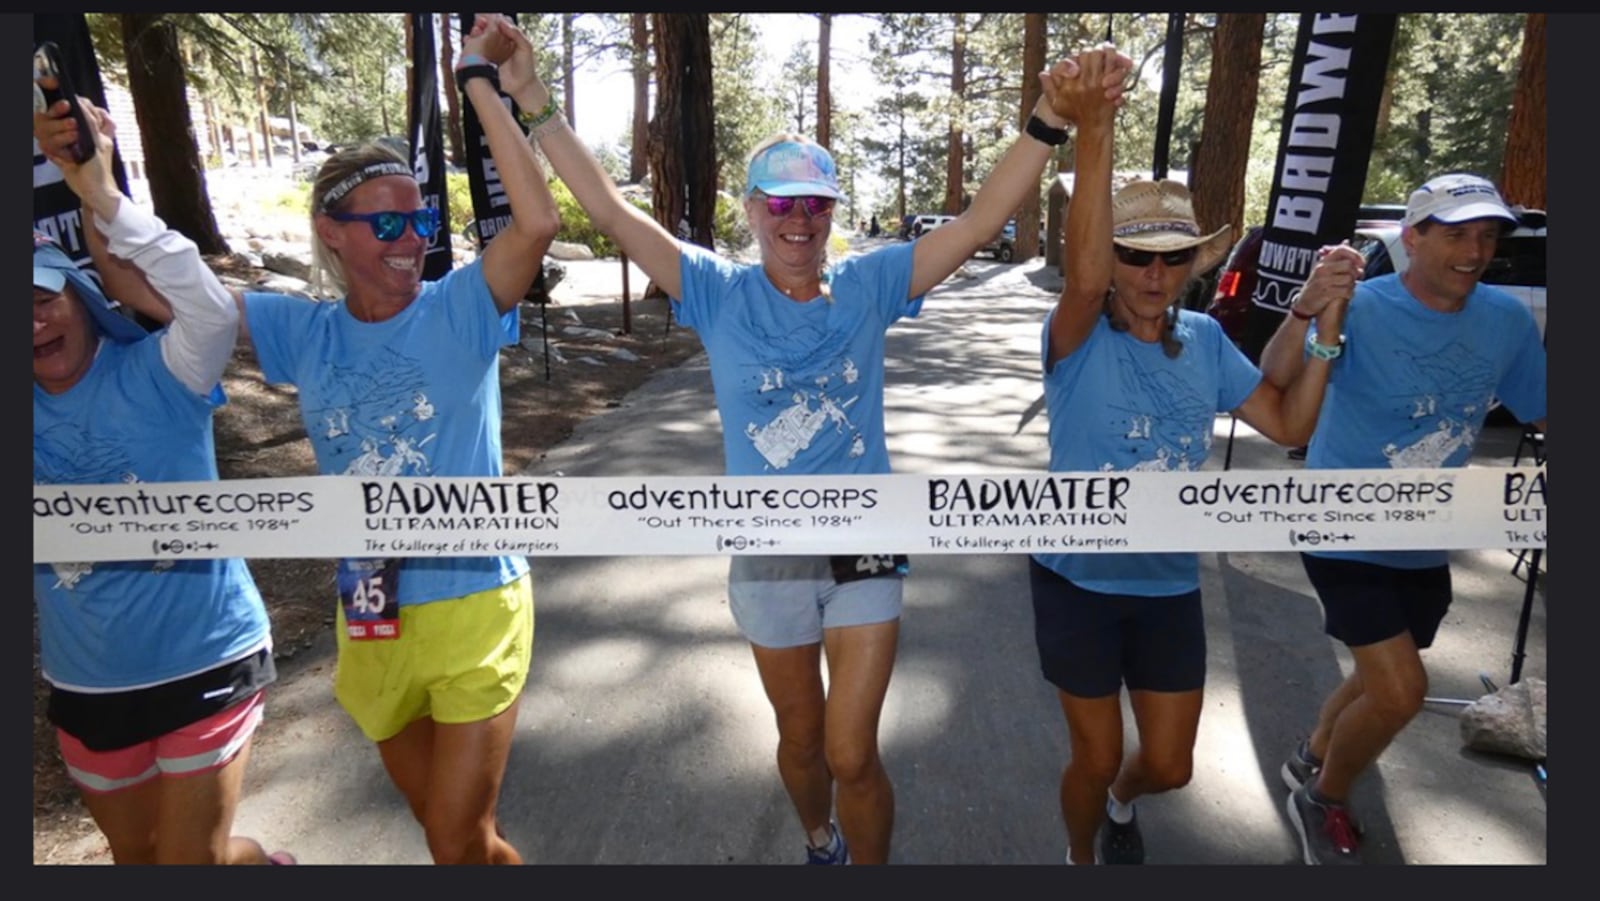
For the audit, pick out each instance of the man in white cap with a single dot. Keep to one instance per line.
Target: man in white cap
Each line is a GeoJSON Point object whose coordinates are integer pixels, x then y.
{"type": "Point", "coordinates": [1421, 356]}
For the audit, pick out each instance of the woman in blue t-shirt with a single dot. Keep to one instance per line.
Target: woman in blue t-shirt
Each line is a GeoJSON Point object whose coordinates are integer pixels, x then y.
{"type": "Point", "coordinates": [796, 350]}
{"type": "Point", "coordinates": [401, 377]}
{"type": "Point", "coordinates": [157, 668]}
{"type": "Point", "coordinates": [1133, 383]}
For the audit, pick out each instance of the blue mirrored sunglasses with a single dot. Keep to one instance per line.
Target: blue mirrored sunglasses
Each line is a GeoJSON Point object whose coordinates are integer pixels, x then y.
{"type": "Point", "coordinates": [389, 225]}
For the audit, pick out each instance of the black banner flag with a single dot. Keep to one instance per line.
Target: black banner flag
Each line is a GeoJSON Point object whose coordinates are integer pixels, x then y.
{"type": "Point", "coordinates": [1329, 118]}
{"type": "Point", "coordinates": [490, 207]}
{"type": "Point", "coordinates": [56, 210]}
{"type": "Point", "coordinates": [427, 142]}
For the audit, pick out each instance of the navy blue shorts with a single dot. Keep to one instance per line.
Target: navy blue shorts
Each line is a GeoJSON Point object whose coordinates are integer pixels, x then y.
{"type": "Point", "coordinates": [1364, 603]}
{"type": "Point", "coordinates": [1091, 644]}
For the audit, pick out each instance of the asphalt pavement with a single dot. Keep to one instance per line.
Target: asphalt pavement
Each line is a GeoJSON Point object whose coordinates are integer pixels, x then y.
{"type": "Point", "coordinates": [644, 736]}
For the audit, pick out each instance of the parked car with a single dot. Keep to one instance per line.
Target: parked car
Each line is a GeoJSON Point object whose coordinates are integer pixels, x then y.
{"type": "Point", "coordinates": [1003, 245]}
{"type": "Point", "coordinates": [927, 222]}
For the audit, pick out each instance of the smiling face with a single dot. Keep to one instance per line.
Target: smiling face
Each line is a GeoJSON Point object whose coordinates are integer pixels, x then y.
{"type": "Point", "coordinates": [1447, 259]}
{"type": "Point", "coordinates": [382, 276]}
{"type": "Point", "coordinates": [793, 244]}
{"type": "Point", "coordinates": [64, 339]}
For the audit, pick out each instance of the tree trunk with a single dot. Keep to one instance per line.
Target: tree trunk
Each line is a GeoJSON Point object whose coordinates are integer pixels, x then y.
{"type": "Point", "coordinates": [954, 156]}
{"type": "Point", "coordinates": [1034, 26]}
{"type": "Point", "coordinates": [161, 107]}
{"type": "Point", "coordinates": [682, 143]}
{"type": "Point", "coordinates": [639, 152]}
{"type": "Point", "coordinates": [824, 93]}
{"type": "Point", "coordinates": [261, 106]}
{"type": "Point", "coordinates": [1523, 176]}
{"type": "Point", "coordinates": [1224, 151]}
{"type": "Point", "coordinates": [294, 118]}
{"type": "Point", "coordinates": [452, 99]}
{"type": "Point", "coordinates": [570, 87]}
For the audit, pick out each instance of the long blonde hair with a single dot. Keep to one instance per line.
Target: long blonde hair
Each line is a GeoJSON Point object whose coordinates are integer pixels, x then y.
{"type": "Point", "coordinates": [327, 272]}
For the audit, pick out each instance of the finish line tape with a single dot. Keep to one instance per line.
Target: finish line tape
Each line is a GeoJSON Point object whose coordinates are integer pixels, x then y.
{"type": "Point", "coordinates": [1089, 512]}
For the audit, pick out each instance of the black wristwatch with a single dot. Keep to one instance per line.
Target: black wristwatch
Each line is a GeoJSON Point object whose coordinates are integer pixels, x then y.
{"type": "Point", "coordinates": [1037, 129]}
{"type": "Point", "coordinates": [481, 70]}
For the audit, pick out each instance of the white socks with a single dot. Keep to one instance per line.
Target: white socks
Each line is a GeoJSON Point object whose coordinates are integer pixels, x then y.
{"type": "Point", "coordinates": [1119, 812]}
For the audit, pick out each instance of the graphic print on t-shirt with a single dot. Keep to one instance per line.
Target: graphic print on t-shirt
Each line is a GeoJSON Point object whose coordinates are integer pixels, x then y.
{"type": "Point", "coordinates": [805, 406]}
{"type": "Point", "coordinates": [69, 455]}
{"type": "Point", "coordinates": [1171, 419]}
{"type": "Point", "coordinates": [1445, 419]}
{"type": "Point", "coordinates": [376, 424]}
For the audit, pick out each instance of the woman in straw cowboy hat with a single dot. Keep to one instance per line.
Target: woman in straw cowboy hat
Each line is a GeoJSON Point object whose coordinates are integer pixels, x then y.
{"type": "Point", "coordinates": [1134, 383]}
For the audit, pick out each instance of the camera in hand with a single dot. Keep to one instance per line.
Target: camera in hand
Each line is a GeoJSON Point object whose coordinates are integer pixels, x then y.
{"type": "Point", "coordinates": [52, 83]}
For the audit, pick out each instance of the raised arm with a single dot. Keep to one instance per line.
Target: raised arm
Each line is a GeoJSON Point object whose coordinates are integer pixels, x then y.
{"type": "Point", "coordinates": [643, 239]}
{"type": "Point", "coordinates": [514, 256]}
{"type": "Point", "coordinates": [943, 250]}
{"type": "Point", "coordinates": [173, 284]}
{"type": "Point", "coordinates": [55, 130]}
{"type": "Point", "coordinates": [1086, 252]}
{"type": "Point", "coordinates": [1284, 407]}
{"type": "Point", "coordinates": [1331, 284]}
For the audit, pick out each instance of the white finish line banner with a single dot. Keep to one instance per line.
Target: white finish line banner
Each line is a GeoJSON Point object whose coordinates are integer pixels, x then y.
{"type": "Point", "coordinates": [1098, 512]}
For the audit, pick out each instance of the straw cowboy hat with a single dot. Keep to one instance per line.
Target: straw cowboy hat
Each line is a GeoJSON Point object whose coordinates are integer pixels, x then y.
{"type": "Point", "coordinates": [1159, 216]}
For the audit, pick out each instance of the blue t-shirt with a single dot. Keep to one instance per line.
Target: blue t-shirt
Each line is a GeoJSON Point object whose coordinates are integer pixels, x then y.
{"type": "Point", "coordinates": [127, 625]}
{"type": "Point", "coordinates": [417, 394]}
{"type": "Point", "coordinates": [1118, 404]}
{"type": "Point", "coordinates": [1413, 386]}
{"type": "Point", "coordinates": [799, 385]}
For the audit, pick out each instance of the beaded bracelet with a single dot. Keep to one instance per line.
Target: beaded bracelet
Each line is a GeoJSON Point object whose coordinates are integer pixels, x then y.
{"type": "Point", "coordinates": [532, 121]}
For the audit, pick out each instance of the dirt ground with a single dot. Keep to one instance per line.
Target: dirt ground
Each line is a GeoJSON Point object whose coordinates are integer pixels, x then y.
{"type": "Point", "coordinates": [592, 365]}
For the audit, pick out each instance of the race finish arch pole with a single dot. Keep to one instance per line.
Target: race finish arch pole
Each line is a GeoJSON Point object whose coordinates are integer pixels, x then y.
{"type": "Point", "coordinates": [1329, 119]}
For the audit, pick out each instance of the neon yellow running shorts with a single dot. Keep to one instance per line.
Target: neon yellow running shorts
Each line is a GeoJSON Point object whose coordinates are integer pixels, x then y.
{"type": "Point", "coordinates": [458, 661]}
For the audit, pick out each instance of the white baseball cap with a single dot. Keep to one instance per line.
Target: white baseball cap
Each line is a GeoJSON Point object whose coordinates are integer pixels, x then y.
{"type": "Point", "coordinates": [1457, 197]}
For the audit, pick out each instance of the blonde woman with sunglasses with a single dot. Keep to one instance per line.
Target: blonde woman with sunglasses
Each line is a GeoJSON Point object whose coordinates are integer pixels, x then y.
{"type": "Point", "coordinates": [1134, 383]}
{"type": "Point", "coordinates": [400, 377]}
{"type": "Point", "coordinates": [796, 346]}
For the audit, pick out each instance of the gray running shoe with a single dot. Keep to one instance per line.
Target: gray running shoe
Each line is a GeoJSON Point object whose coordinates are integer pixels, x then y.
{"type": "Point", "coordinates": [1121, 843]}
{"type": "Point", "coordinates": [1327, 833]}
{"type": "Point", "coordinates": [1301, 767]}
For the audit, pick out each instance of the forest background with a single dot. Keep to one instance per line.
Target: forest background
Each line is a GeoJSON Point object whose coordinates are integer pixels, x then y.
{"type": "Point", "coordinates": [926, 106]}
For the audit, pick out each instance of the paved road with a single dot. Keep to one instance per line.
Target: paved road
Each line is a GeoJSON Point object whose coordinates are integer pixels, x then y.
{"type": "Point", "coordinates": [644, 736]}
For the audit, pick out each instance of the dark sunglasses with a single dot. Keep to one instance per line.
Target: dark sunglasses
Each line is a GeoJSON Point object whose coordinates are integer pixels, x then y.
{"type": "Point", "coordinates": [389, 225]}
{"type": "Point", "coordinates": [815, 206]}
{"type": "Point", "coordinates": [1143, 258]}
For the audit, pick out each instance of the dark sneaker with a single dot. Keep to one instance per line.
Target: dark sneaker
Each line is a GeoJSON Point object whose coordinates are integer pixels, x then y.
{"type": "Point", "coordinates": [1300, 768]}
{"type": "Point", "coordinates": [1297, 453]}
{"type": "Point", "coordinates": [1121, 843]}
{"type": "Point", "coordinates": [1327, 833]}
{"type": "Point", "coordinates": [835, 853]}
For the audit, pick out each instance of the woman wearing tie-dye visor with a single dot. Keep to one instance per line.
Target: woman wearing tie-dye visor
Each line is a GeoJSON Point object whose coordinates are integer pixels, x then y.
{"type": "Point", "coordinates": [796, 344]}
